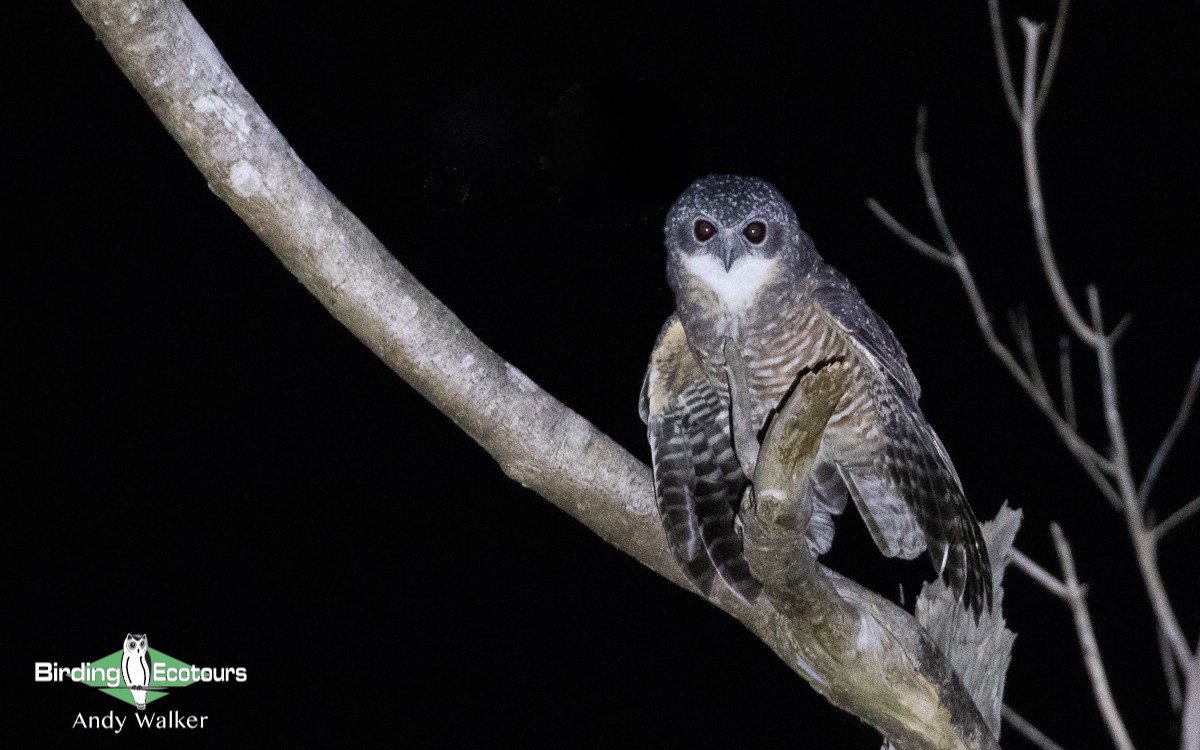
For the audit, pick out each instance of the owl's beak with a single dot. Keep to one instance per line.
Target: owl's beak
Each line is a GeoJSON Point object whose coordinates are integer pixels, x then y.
{"type": "Point", "coordinates": [731, 250]}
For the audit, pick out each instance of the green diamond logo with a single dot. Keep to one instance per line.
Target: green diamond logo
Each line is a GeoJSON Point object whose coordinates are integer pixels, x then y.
{"type": "Point", "coordinates": [146, 674]}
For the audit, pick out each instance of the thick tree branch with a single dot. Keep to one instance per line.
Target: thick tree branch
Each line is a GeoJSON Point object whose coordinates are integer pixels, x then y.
{"type": "Point", "coordinates": [857, 649]}
{"type": "Point", "coordinates": [904, 686]}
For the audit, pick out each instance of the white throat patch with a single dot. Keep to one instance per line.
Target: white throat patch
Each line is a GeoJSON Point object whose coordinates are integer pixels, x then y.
{"type": "Point", "coordinates": [737, 287]}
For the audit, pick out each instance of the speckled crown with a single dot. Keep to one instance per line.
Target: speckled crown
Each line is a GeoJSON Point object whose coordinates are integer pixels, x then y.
{"type": "Point", "coordinates": [730, 198]}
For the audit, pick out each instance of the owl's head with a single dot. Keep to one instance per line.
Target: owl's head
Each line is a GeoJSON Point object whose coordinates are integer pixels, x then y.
{"type": "Point", "coordinates": [733, 234]}
{"type": "Point", "coordinates": [135, 645]}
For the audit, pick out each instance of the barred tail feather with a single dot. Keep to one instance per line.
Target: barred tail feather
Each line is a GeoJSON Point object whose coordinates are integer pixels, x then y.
{"type": "Point", "coordinates": [697, 482]}
{"type": "Point", "coordinates": [677, 507]}
{"type": "Point", "coordinates": [697, 478]}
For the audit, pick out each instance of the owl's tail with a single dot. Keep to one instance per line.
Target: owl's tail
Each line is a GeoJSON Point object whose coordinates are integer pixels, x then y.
{"type": "Point", "coordinates": [696, 498]}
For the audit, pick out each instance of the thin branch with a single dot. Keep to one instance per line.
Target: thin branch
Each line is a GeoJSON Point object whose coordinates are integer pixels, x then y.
{"type": "Point", "coordinates": [1033, 189]}
{"type": "Point", "coordinates": [1094, 336]}
{"type": "Point", "coordinates": [1189, 728]}
{"type": "Point", "coordinates": [1145, 549]}
{"type": "Point", "coordinates": [1060, 24]}
{"type": "Point", "coordinates": [1103, 347]}
{"type": "Point", "coordinates": [1005, 67]}
{"type": "Point", "coordinates": [1093, 463]}
{"type": "Point", "coordinates": [1181, 418]}
{"type": "Point", "coordinates": [1112, 475]}
{"type": "Point", "coordinates": [915, 242]}
{"type": "Point", "coordinates": [1091, 460]}
{"type": "Point", "coordinates": [1067, 381]}
{"type": "Point", "coordinates": [1040, 575]}
{"type": "Point", "coordinates": [1087, 643]}
{"type": "Point", "coordinates": [1170, 672]}
{"type": "Point", "coordinates": [1171, 522]}
{"type": "Point", "coordinates": [1027, 730]}
{"type": "Point", "coordinates": [925, 171]}
{"type": "Point", "coordinates": [1018, 321]}
{"type": "Point", "coordinates": [1120, 328]}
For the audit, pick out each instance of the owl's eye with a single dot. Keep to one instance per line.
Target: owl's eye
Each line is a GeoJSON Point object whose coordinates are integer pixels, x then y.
{"type": "Point", "coordinates": [704, 230]}
{"type": "Point", "coordinates": [755, 231]}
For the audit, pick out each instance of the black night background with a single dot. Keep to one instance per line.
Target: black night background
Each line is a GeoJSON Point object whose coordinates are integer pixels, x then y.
{"type": "Point", "coordinates": [200, 452]}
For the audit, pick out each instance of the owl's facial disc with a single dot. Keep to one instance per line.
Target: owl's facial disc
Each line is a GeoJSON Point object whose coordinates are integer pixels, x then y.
{"type": "Point", "coordinates": [727, 266]}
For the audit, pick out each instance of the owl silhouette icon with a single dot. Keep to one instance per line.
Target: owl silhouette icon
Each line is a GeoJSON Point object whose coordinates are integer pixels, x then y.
{"type": "Point", "coordinates": [135, 667]}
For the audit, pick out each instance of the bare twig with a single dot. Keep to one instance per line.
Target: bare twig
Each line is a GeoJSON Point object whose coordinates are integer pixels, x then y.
{"type": "Point", "coordinates": [1094, 464]}
{"type": "Point", "coordinates": [1111, 474]}
{"type": "Point", "coordinates": [1172, 521]}
{"type": "Point", "coordinates": [1102, 344]}
{"type": "Point", "coordinates": [1145, 549]}
{"type": "Point", "coordinates": [915, 242]}
{"type": "Point", "coordinates": [1189, 729]}
{"type": "Point", "coordinates": [1018, 321]}
{"type": "Point", "coordinates": [1181, 418]}
{"type": "Point", "coordinates": [1119, 448]}
{"type": "Point", "coordinates": [1170, 671]}
{"type": "Point", "coordinates": [1028, 731]}
{"type": "Point", "coordinates": [1033, 189]}
{"type": "Point", "coordinates": [1087, 642]}
{"type": "Point", "coordinates": [925, 171]}
{"type": "Point", "coordinates": [1060, 24]}
{"type": "Point", "coordinates": [1120, 328]}
{"type": "Point", "coordinates": [1067, 381]}
{"type": "Point", "coordinates": [1005, 67]}
{"type": "Point", "coordinates": [1040, 575]}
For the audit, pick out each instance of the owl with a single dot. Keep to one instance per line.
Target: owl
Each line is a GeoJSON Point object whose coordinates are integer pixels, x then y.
{"type": "Point", "coordinates": [135, 667]}
{"type": "Point", "coordinates": [742, 271]}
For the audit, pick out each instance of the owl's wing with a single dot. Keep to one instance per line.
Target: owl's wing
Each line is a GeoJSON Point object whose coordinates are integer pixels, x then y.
{"type": "Point", "coordinates": [912, 477]}
{"type": "Point", "coordinates": [850, 311]}
{"type": "Point", "coordinates": [917, 466]}
{"type": "Point", "coordinates": [697, 478]}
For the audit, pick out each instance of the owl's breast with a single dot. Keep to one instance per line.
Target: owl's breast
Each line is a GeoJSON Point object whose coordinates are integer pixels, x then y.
{"type": "Point", "coordinates": [778, 344]}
